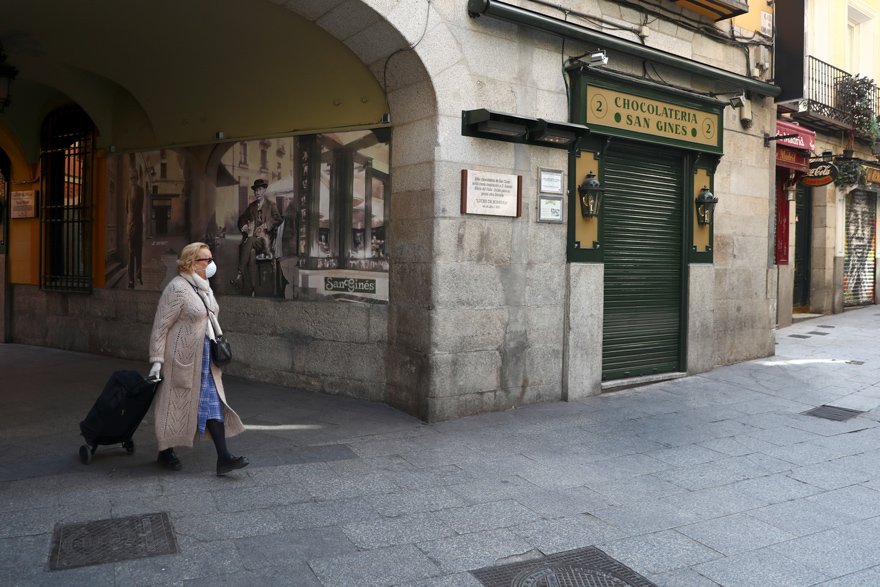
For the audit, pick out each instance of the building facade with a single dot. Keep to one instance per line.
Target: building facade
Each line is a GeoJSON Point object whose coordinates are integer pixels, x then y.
{"type": "Point", "coordinates": [828, 173]}
{"type": "Point", "coordinates": [481, 204]}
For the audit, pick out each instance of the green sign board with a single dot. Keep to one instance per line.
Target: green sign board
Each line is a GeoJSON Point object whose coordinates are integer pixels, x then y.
{"type": "Point", "coordinates": [642, 112]}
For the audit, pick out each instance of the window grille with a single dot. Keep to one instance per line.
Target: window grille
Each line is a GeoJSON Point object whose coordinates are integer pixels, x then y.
{"type": "Point", "coordinates": [67, 178]}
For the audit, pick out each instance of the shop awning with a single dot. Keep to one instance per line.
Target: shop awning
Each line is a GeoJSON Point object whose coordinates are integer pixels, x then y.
{"type": "Point", "coordinates": [802, 139]}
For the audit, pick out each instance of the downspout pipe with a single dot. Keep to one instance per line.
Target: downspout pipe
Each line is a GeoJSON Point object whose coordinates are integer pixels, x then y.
{"type": "Point", "coordinates": [555, 26]}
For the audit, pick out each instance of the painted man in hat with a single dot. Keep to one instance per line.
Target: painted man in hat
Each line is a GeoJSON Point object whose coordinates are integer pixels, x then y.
{"type": "Point", "coordinates": [258, 225]}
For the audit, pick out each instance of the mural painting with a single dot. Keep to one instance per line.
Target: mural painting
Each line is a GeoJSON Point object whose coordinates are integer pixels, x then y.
{"type": "Point", "coordinates": [293, 217]}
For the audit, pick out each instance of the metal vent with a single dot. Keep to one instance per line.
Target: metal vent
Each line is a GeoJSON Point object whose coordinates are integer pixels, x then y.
{"type": "Point", "coordinates": [109, 541]}
{"type": "Point", "coordinates": [832, 413]}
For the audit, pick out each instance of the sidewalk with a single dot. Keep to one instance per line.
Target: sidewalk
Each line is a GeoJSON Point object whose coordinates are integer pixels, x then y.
{"type": "Point", "coordinates": [716, 479]}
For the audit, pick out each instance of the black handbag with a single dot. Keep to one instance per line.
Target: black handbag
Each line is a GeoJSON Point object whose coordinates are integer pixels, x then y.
{"type": "Point", "coordinates": [221, 350]}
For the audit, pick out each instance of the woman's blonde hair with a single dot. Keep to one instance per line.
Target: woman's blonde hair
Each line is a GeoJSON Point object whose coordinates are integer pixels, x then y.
{"type": "Point", "coordinates": [186, 262]}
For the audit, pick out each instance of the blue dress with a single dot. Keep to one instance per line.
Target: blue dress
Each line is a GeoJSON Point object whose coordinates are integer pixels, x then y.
{"type": "Point", "coordinates": [210, 407]}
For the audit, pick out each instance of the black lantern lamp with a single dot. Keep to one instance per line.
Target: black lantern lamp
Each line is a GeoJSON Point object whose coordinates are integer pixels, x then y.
{"type": "Point", "coordinates": [7, 74]}
{"type": "Point", "coordinates": [705, 201]}
{"type": "Point", "coordinates": [590, 194]}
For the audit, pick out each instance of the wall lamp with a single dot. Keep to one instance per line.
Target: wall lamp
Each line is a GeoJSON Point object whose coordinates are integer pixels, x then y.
{"type": "Point", "coordinates": [590, 195]}
{"type": "Point", "coordinates": [789, 188]}
{"type": "Point", "coordinates": [597, 58]}
{"type": "Point", "coordinates": [705, 202]}
{"type": "Point", "coordinates": [736, 100]}
{"type": "Point", "coordinates": [7, 74]}
{"type": "Point", "coordinates": [500, 126]}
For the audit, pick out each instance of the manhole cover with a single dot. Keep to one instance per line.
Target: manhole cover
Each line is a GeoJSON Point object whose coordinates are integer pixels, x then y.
{"type": "Point", "coordinates": [583, 567]}
{"type": "Point", "coordinates": [109, 541]}
{"type": "Point", "coordinates": [573, 576]}
{"type": "Point", "coordinates": [832, 413]}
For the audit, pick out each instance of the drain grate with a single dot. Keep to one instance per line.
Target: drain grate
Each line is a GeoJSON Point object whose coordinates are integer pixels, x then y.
{"type": "Point", "coordinates": [832, 413]}
{"type": "Point", "coordinates": [582, 567]}
{"type": "Point", "coordinates": [110, 541]}
{"type": "Point", "coordinates": [819, 332]}
{"type": "Point", "coordinates": [798, 336]}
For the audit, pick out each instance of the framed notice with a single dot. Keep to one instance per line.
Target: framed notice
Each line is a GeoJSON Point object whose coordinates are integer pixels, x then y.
{"type": "Point", "coordinates": [493, 194]}
{"type": "Point", "coordinates": [549, 208]}
{"type": "Point", "coordinates": [550, 181]}
{"type": "Point", "coordinates": [23, 204]}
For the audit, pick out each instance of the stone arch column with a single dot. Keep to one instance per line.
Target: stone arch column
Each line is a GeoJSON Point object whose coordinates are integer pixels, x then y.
{"type": "Point", "coordinates": [382, 34]}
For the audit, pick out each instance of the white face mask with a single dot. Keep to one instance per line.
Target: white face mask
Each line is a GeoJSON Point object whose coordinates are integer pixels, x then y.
{"type": "Point", "coordinates": [210, 270]}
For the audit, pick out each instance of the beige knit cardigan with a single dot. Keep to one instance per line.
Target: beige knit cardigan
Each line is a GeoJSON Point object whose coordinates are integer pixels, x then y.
{"type": "Point", "coordinates": [178, 341]}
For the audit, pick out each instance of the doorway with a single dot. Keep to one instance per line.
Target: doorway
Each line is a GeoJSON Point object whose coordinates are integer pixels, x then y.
{"type": "Point", "coordinates": [802, 242]}
{"type": "Point", "coordinates": [644, 267]}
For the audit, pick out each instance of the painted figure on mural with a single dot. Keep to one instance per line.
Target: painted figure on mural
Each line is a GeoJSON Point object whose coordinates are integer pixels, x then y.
{"type": "Point", "coordinates": [258, 225]}
{"type": "Point", "coordinates": [859, 236]}
{"type": "Point", "coordinates": [135, 222]}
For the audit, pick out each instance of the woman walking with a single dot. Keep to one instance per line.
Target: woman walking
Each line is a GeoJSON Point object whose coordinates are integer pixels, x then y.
{"type": "Point", "coordinates": [190, 400]}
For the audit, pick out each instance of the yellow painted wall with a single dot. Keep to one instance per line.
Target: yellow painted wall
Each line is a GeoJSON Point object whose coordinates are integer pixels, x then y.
{"type": "Point", "coordinates": [702, 232]}
{"type": "Point", "coordinates": [752, 19]}
{"type": "Point", "coordinates": [586, 230]}
{"type": "Point", "coordinates": [827, 34]}
{"type": "Point", "coordinates": [24, 233]}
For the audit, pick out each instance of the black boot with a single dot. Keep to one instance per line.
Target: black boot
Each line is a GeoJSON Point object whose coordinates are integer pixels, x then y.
{"type": "Point", "coordinates": [225, 461]}
{"type": "Point", "coordinates": [232, 463]}
{"type": "Point", "coordinates": [169, 460]}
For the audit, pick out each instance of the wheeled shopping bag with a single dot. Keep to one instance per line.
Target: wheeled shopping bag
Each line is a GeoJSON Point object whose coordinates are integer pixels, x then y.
{"type": "Point", "coordinates": [117, 413]}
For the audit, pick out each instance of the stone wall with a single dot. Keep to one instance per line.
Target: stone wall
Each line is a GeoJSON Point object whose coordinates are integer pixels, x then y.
{"type": "Point", "coordinates": [329, 347]}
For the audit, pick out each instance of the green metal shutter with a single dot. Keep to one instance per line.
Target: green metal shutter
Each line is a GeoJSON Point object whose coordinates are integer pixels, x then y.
{"type": "Point", "coordinates": [642, 241]}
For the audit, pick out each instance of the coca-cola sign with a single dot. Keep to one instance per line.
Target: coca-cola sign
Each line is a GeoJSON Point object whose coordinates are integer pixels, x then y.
{"type": "Point", "coordinates": [820, 173]}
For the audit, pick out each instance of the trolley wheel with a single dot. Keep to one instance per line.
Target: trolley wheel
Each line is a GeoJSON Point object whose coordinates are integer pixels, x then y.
{"type": "Point", "coordinates": [85, 454]}
{"type": "Point", "coordinates": [128, 445]}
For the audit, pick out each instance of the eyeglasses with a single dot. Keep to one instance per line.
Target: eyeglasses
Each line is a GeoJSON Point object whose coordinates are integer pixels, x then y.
{"type": "Point", "coordinates": [208, 260]}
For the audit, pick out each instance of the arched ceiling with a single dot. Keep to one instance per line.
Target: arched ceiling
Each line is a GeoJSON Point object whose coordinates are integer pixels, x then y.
{"type": "Point", "coordinates": [173, 72]}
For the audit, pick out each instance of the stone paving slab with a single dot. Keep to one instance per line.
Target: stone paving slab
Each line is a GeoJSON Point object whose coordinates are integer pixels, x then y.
{"type": "Point", "coordinates": [759, 569]}
{"type": "Point", "coordinates": [715, 479]}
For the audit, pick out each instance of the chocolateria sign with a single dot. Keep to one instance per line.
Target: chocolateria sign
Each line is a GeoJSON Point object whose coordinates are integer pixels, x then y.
{"type": "Point", "coordinates": [652, 115]}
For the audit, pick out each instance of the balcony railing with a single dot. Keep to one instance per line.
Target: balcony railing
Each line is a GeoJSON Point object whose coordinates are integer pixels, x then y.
{"type": "Point", "coordinates": [836, 101]}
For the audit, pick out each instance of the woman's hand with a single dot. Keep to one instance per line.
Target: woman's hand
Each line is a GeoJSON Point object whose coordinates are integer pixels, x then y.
{"type": "Point", "coordinates": [155, 372]}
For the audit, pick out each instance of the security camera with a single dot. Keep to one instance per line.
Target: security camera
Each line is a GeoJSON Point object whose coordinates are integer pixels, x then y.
{"type": "Point", "coordinates": [598, 59]}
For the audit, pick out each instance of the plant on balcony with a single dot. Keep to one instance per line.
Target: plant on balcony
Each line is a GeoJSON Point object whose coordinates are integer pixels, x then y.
{"type": "Point", "coordinates": [856, 96]}
{"type": "Point", "coordinates": [875, 135]}
{"type": "Point", "coordinates": [850, 172]}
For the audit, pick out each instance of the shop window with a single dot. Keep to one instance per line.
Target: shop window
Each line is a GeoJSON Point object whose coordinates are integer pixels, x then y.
{"type": "Point", "coordinates": [67, 172]}
{"type": "Point", "coordinates": [264, 155]}
{"type": "Point", "coordinates": [243, 154]}
{"type": "Point", "coordinates": [367, 218]}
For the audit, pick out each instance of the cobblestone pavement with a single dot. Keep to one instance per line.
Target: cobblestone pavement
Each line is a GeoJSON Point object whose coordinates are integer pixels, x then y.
{"type": "Point", "coordinates": [715, 479]}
